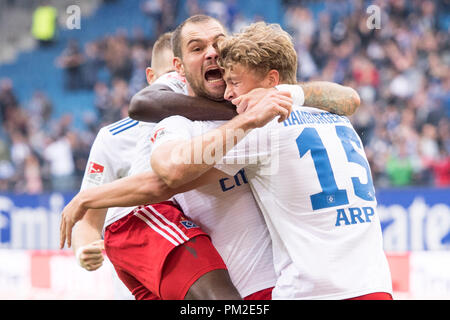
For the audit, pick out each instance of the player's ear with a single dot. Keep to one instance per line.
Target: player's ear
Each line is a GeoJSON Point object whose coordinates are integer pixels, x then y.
{"type": "Point", "coordinates": [272, 78]}
{"type": "Point", "coordinates": [178, 66]}
{"type": "Point", "coordinates": [150, 74]}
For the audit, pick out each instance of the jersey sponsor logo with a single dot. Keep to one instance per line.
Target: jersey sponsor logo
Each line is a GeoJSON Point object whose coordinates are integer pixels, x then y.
{"type": "Point", "coordinates": [158, 133]}
{"type": "Point", "coordinates": [227, 184]}
{"type": "Point", "coordinates": [95, 173]}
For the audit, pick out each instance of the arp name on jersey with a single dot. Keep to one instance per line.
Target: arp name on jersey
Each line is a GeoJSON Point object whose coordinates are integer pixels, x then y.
{"type": "Point", "coordinates": [354, 216]}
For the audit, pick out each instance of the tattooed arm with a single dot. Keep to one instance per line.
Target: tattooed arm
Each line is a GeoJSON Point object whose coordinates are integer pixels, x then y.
{"type": "Point", "coordinates": [328, 96]}
{"type": "Point", "coordinates": [331, 97]}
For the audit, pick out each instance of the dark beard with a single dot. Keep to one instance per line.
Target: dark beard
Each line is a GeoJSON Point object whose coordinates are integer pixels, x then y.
{"type": "Point", "coordinates": [199, 89]}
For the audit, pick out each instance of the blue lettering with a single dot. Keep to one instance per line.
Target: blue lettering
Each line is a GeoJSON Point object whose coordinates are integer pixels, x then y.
{"type": "Point", "coordinates": [239, 178]}
{"type": "Point", "coordinates": [308, 117]}
{"type": "Point", "coordinates": [368, 211]}
{"type": "Point", "coordinates": [241, 173]}
{"type": "Point", "coordinates": [300, 118]}
{"type": "Point", "coordinates": [223, 186]}
{"type": "Point", "coordinates": [341, 216]}
{"type": "Point", "coordinates": [356, 213]}
{"type": "Point", "coordinates": [304, 117]}
{"type": "Point", "coordinates": [287, 122]}
{"type": "Point", "coordinates": [294, 118]}
{"type": "Point", "coordinates": [318, 118]}
{"type": "Point", "coordinates": [326, 117]}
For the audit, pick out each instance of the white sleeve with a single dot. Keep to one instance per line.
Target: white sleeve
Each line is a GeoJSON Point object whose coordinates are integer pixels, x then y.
{"type": "Point", "coordinates": [174, 81]}
{"type": "Point", "coordinates": [296, 91]}
{"type": "Point", "coordinates": [170, 129]}
{"type": "Point", "coordinates": [103, 165]}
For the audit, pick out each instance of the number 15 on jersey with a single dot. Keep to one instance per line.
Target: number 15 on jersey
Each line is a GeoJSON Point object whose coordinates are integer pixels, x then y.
{"type": "Point", "coordinates": [331, 196]}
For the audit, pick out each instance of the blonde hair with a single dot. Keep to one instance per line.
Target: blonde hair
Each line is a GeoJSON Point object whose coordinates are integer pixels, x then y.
{"type": "Point", "coordinates": [159, 48]}
{"type": "Point", "coordinates": [261, 47]}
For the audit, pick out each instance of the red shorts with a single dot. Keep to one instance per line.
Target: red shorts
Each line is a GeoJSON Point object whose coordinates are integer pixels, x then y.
{"type": "Point", "coordinates": [374, 296]}
{"type": "Point", "coordinates": [158, 253]}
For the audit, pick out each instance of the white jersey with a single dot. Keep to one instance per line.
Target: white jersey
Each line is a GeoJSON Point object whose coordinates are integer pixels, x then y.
{"type": "Point", "coordinates": [139, 158]}
{"type": "Point", "coordinates": [227, 211]}
{"type": "Point", "coordinates": [174, 81]}
{"type": "Point", "coordinates": [109, 156]}
{"type": "Point", "coordinates": [313, 183]}
{"type": "Point", "coordinates": [115, 152]}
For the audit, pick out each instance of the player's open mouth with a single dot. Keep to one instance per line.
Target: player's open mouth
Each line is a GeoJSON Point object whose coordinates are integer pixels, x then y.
{"type": "Point", "coordinates": [213, 75]}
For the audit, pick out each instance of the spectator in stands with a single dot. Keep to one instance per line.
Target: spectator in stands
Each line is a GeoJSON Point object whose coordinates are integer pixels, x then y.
{"type": "Point", "coordinates": [154, 9]}
{"type": "Point", "coordinates": [91, 66]}
{"type": "Point", "coordinates": [399, 166]}
{"type": "Point", "coordinates": [58, 154]}
{"type": "Point", "coordinates": [8, 99]}
{"type": "Point", "coordinates": [117, 56]}
{"type": "Point", "coordinates": [401, 72]}
{"type": "Point", "coordinates": [71, 60]}
{"type": "Point", "coordinates": [32, 175]}
{"type": "Point", "coordinates": [44, 23]}
{"type": "Point", "coordinates": [40, 108]}
{"type": "Point", "coordinates": [20, 150]}
{"type": "Point", "coordinates": [140, 61]}
{"type": "Point", "coordinates": [102, 100]}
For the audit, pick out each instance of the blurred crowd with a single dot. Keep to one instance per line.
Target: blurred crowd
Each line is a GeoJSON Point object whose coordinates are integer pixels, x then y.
{"type": "Point", "coordinates": [400, 69]}
{"type": "Point", "coordinates": [39, 152]}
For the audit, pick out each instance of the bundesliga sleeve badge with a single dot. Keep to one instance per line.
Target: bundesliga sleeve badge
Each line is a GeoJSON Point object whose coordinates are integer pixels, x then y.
{"type": "Point", "coordinates": [95, 173]}
{"type": "Point", "coordinates": [158, 133]}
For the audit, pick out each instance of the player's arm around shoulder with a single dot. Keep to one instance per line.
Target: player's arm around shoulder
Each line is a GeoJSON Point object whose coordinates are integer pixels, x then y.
{"type": "Point", "coordinates": [171, 149]}
{"type": "Point", "coordinates": [182, 160]}
{"type": "Point", "coordinates": [331, 97]}
{"type": "Point", "coordinates": [157, 102]}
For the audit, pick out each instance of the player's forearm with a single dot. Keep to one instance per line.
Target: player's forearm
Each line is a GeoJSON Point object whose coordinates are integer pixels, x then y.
{"type": "Point", "coordinates": [154, 105]}
{"type": "Point", "coordinates": [331, 97]}
{"type": "Point", "coordinates": [180, 162]}
{"type": "Point", "coordinates": [126, 192]}
{"type": "Point", "coordinates": [88, 229]}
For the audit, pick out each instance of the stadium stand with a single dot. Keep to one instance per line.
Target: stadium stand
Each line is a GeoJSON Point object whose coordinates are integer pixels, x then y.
{"type": "Point", "coordinates": [86, 78]}
{"type": "Point", "coordinates": [55, 97]}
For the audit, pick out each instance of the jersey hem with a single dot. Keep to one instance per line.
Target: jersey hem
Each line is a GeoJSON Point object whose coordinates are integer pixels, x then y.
{"type": "Point", "coordinates": [255, 289]}
{"type": "Point", "coordinates": [341, 296]}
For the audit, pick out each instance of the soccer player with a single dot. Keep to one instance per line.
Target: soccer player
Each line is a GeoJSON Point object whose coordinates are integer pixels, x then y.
{"type": "Point", "coordinates": [308, 173]}
{"type": "Point", "coordinates": [196, 57]}
{"type": "Point", "coordinates": [157, 252]}
{"type": "Point", "coordinates": [227, 210]}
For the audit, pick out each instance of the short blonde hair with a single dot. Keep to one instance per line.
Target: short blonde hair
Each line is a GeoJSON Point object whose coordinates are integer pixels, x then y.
{"type": "Point", "coordinates": [261, 47]}
{"type": "Point", "coordinates": [159, 47]}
